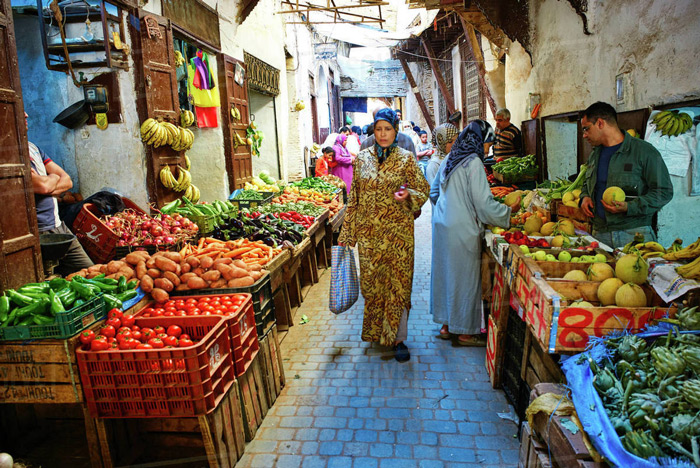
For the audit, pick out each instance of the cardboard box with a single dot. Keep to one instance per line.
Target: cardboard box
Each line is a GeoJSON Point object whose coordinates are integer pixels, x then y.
{"type": "Point", "coordinates": [494, 353]}
{"type": "Point", "coordinates": [499, 297]}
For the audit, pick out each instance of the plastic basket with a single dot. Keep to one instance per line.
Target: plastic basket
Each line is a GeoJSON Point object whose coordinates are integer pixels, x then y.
{"type": "Point", "coordinates": [261, 292]}
{"type": "Point", "coordinates": [250, 204]}
{"type": "Point", "coordinates": [97, 239]}
{"type": "Point", "coordinates": [174, 382]}
{"type": "Point", "coordinates": [242, 330]}
{"type": "Point", "coordinates": [67, 323]}
{"type": "Point", "coordinates": [205, 223]}
{"type": "Point", "coordinates": [265, 319]}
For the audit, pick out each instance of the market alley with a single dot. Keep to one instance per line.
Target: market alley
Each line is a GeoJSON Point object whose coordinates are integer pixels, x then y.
{"type": "Point", "coordinates": [348, 403]}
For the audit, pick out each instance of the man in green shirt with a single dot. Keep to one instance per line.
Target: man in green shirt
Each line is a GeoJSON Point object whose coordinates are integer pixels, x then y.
{"type": "Point", "coordinates": [621, 160]}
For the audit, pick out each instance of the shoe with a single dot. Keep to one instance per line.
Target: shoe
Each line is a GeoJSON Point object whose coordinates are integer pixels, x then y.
{"type": "Point", "coordinates": [401, 353]}
{"type": "Point", "coordinates": [444, 334]}
{"type": "Point", "coordinates": [473, 340]}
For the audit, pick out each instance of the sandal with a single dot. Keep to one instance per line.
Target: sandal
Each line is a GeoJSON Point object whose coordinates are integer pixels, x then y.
{"type": "Point", "coordinates": [444, 334]}
{"type": "Point", "coordinates": [471, 340]}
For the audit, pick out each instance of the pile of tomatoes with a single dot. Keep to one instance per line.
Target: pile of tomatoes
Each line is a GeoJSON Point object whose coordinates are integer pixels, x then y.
{"type": "Point", "coordinates": [204, 305]}
{"type": "Point", "coordinates": [120, 332]}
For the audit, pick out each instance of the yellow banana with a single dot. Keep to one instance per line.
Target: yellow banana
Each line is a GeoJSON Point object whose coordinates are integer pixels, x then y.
{"type": "Point", "coordinates": [188, 163]}
{"type": "Point", "coordinates": [147, 125]}
{"type": "Point", "coordinates": [654, 246]}
{"type": "Point", "coordinates": [152, 130]}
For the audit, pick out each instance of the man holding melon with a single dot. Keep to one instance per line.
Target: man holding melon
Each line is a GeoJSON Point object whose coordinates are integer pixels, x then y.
{"type": "Point", "coordinates": [626, 181]}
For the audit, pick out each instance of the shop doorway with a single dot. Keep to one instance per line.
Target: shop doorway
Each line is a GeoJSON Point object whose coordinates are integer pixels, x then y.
{"type": "Point", "coordinates": [561, 145]}
{"type": "Point", "coordinates": [263, 113]}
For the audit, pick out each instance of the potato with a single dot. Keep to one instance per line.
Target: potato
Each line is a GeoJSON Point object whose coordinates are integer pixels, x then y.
{"type": "Point", "coordinates": [196, 283]}
{"type": "Point", "coordinates": [186, 276]}
{"type": "Point", "coordinates": [115, 265]}
{"type": "Point", "coordinates": [226, 271]}
{"type": "Point", "coordinates": [225, 260]}
{"type": "Point", "coordinates": [185, 267]}
{"type": "Point", "coordinates": [172, 277]}
{"type": "Point", "coordinates": [151, 263]}
{"type": "Point", "coordinates": [134, 258]}
{"type": "Point", "coordinates": [220, 283]}
{"type": "Point", "coordinates": [211, 275]}
{"type": "Point", "coordinates": [141, 269]}
{"type": "Point", "coordinates": [198, 271]}
{"type": "Point", "coordinates": [95, 268]}
{"type": "Point", "coordinates": [193, 261]}
{"type": "Point", "coordinates": [160, 295]}
{"type": "Point", "coordinates": [206, 262]}
{"type": "Point", "coordinates": [240, 264]}
{"type": "Point", "coordinates": [165, 264]}
{"type": "Point", "coordinates": [153, 272]}
{"type": "Point", "coordinates": [238, 272]}
{"type": "Point", "coordinates": [146, 283]}
{"type": "Point", "coordinates": [174, 256]}
{"type": "Point", "coordinates": [241, 282]}
{"type": "Point", "coordinates": [182, 287]}
{"type": "Point", "coordinates": [164, 284]}
{"type": "Point", "coordinates": [127, 271]}
{"type": "Point", "coordinates": [254, 267]}
{"type": "Point", "coordinates": [256, 275]}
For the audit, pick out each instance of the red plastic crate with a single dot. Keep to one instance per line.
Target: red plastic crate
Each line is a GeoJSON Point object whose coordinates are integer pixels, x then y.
{"type": "Point", "coordinates": [174, 382]}
{"type": "Point", "coordinates": [242, 329]}
{"type": "Point", "coordinates": [99, 241]}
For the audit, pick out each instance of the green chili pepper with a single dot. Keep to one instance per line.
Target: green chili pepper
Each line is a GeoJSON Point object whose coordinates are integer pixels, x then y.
{"type": "Point", "coordinates": [84, 291]}
{"type": "Point", "coordinates": [56, 304]}
{"type": "Point", "coordinates": [18, 298]}
{"type": "Point", "coordinates": [132, 284]}
{"type": "Point", "coordinates": [38, 307]}
{"type": "Point", "coordinates": [112, 301]}
{"type": "Point", "coordinates": [42, 320]}
{"type": "Point", "coordinates": [34, 288]}
{"type": "Point", "coordinates": [58, 283]}
{"type": "Point", "coordinates": [126, 295]}
{"type": "Point", "coordinates": [121, 286]}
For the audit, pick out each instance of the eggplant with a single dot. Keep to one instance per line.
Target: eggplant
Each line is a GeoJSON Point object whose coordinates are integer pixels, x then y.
{"type": "Point", "coordinates": [269, 241]}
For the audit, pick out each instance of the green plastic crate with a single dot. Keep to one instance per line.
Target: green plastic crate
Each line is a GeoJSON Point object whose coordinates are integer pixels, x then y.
{"type": "Point", "coordinates": [67, 323]}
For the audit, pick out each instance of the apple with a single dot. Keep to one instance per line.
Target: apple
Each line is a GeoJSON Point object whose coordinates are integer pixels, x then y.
{"type": "Point", "coordinates": [497, 230]}
{"type": "Point", "coordinates": [575, 259]}
{"type": "Point", "coordinates": [540, 255]}
{"type": "Point", "coordinates": [524, 249]}
{"type": "Point", "coordinates": [527, 255]}
{"type": "Point", "coordinates": [600, 258]}
{"type": "Point", "coordinates": [564, 256]}
{"type": "Point", "coordinates": [550, 258]}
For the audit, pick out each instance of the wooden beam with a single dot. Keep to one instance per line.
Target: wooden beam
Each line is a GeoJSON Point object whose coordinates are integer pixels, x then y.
{"type": "Point", "coordinates": [419, 96]}
{"type": "Point", "coordinates": [475, 49]}
{"type": "Point", "coordinates": [449, 102]}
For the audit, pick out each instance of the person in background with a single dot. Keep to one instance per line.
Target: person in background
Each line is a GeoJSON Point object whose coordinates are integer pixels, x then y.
{"type": "Point", "coordinates": [353, 141]}
{"type": "Point", "coordinates": [343, 160]}
{"type": "Point", "coordinates": [509, 141]}
{"type": "Point", "coordinates": [443, 138]}
{"type": "Point", "coordinates": [455, 119]}
{"type": "Point", "coordinates": [364, 134]}
{"type": "Point", "coordinates": [324, 162]}
{"type": "Point", "coordinates": [632, 164]}
{"type": "Point", "coordinates": [424, 150]}
{"type": "Point", "coordinates": [463, 204]}
{"type": "Point", "coordinates": [387, 190]}
{"type": "Point", "coordinates": [404, 141]}
{"type": "Point", "coordinates": [408, 130]}
{"type": "Point", "coordinates": [398, 114]}
{"type": "Point", "coordinates": [49, 180]}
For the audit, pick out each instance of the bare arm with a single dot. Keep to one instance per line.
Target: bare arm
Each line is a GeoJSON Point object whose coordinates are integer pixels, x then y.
{"type": "Point", "coordinates": [54, 183]}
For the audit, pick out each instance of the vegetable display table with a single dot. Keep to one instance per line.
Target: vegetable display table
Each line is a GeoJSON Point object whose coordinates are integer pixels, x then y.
{"type": "Point", "coordinates": [317, 234]}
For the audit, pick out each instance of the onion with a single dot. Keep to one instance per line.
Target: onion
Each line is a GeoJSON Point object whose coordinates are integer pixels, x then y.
{"type": "Point", "coordinates": [169, 240]}
{"type": "Point", "coordinates": [6, 460]}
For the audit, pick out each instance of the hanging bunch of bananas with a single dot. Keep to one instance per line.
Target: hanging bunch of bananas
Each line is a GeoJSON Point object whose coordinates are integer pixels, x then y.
{"type": "Point", "coordinates": [192, 193]}
{"type": "Point", "coordinates": [186, 118]}
{"type": "Point", "coordinates": [672, 123]}
{"type": "Point", "coordinates": [690, 252]}
{"type": "Point", "coordinates": [167, 178]}
{"type": "Point", "coordinates": [179, 59]}
{"type": "Point", "coordinates": [240, 141]}
{"type": "Point", "coordinates": [157, 134]}
{"type": "Point", "coordinates": [235, 113]}
{"type": "Point", "coordinates": [188, 163]}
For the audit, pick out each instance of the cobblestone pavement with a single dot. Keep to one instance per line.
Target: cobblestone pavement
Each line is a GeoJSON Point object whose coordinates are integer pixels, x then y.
{"type": "Point", "coordinates": [348, 403]}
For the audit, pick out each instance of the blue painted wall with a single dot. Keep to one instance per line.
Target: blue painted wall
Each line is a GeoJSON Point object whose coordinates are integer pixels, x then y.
{"type": "Point", "coordinates": [45, 95]}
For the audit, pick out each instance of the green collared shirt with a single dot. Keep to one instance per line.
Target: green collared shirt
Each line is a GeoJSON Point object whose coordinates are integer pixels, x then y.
{"type": "Point", "coordinates": [638, 169]}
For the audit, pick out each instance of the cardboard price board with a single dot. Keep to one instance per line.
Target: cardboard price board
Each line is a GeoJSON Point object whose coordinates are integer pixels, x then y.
{"type": "Point", "coordinates": [494, 353]}
{"type": "Point", "coordinates": [562, 328]}
{"type": "Point", "coordinates": [499, 297]}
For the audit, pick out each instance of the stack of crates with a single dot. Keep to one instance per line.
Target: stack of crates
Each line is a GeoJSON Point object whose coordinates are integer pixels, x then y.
{"type": "Point", "coordinates": [515, 388]}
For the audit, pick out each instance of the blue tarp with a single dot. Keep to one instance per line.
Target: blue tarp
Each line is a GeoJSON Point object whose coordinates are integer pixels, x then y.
{"type": "Point", "coordinates": [354, 104]}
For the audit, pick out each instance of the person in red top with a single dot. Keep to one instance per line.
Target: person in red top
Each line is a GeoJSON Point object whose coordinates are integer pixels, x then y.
{"type": "Point", "coordinates": [325, 161]}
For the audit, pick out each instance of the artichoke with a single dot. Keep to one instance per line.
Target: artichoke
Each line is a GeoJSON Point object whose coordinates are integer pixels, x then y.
{"type": "Point", "coordinates": [642, 405]}
{"type": "Point", "coordinates": [689, 318]}
{"type": "Point", "coordinates": [631, 348]}
{"type": "Point", "coordinates": [691, 392]}
{"type": "Point", "coordinates": [691, 356]}
{"type": "Point", "coordinates": [604, 381]}
{"type": "Point", "coordinates": [685, 426]}
{"type": "Point", "coordinates": [642, 444]}
{"type": "Point", "coordinates": [667, 362]}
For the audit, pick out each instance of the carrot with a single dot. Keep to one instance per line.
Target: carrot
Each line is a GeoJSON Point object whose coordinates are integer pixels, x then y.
{"type": "Point", "coordinates": [237, 252]}
{"type": "Point", "coordinates": [201, 243]}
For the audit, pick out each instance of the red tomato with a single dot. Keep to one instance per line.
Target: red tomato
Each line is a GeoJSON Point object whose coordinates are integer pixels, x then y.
{"type": "Point", "coordinates": [144, 346]}
{"type": "Point", "coordinates": [185, 342]}
{"type": "Point", "coordinates": [126, 343]}
{"type": "Point", "coordinates": [159, 309]}
{"type": "Point", "coordinates": [133, 344]}
{"type": "Point", "coordinates": [191, 301]}
{"type": "Point", "coordinates": [174, 330]}
{"type": "Point", "coordinates": [123, 334]}
{"type": "Point", "coordinates": [87, 337]}
{"type": "Point", "coordinates": [157, 313]}
{"type": "Point", "coordinates": [123, 328]}
{"type": "Point", "coordinates": [227, 303]}
{"type": "Point", "coordinates": [111, 340]}
{"type": "Point", "coordinates": [207, 312]}
{"type": "Point", "coordinates": [170, 303]}
{"type": "Point", "coordinates": [170, 309]}
{"type": "Point", "coordinates": [147, 311]}
{"type": "Point", "coordinates": [108, 331]}
{"type": "Point", "coordinates": [115, 313]}
{"type": "Point", "coordinates": [159, 329]}
{"type": "Point", "coordinates": [128, 320]}
{"type": "Point", "coordinates": [135, 328]}
{"type": "Point", "coordinates": [115, 322]}
{"type": "Point", "coordinates": [137, 335]}
{"type": "Point", "coordinates": [169, 313]}
{"type": "Point", "coordinates": [147, 333]}
{"type": "Point", "coordinates": [161, 335]}
{"type": "Point", "coordinates": [156, 343]}
{"type": "Point", "coordinates": [185, 336]}
{"type": "Point", "coordinates": [113, 345]}
{"type": "Point", "coordinates": [179, 303]}
{"type": "Point", "coordinates": [180, 313]}
{"type": "Point", "coordinates": [205, 299]}
{"type": "Point", "coordinates": [170, 341]}
{"type": "Point", "coordinates": [99, 343]}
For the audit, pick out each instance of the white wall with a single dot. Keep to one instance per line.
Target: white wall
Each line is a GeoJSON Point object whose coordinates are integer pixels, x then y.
{"type": "Point", "coordinates": [654, 42]}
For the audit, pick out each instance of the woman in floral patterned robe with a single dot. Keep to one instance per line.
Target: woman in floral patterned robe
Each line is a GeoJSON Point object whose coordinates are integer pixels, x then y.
{"type": "Point", "coordinates": [388, 187]}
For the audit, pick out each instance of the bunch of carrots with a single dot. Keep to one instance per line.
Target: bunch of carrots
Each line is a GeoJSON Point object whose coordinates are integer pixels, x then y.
{"type": "Point", "coordinates": [501, 191]}
{"type": "Point", "coordinates": [250, 252]}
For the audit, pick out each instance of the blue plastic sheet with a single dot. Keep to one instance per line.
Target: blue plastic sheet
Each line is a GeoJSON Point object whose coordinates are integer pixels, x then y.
{"type": "Point", "coordinates": [133, 301]}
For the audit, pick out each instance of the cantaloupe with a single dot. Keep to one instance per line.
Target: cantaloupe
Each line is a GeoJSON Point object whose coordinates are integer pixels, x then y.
{"type": "Point", "coordinates": [600, 272]}
{"type": "Point", "coordinates": [612, 194]}
{"type": "Point", "coordinates": [533, 224]}
{"type": "Point", "coordinates": [632, 268]}
{"type": "Point", "coordinates": [630, 295]}
{"type": "Point", "coordinates": [607, 290]}
{"type": "Point", "coordinates": [567, 227]}
{"type": "Point", "coordinates": [582, 304]}
{"type": "Point", "coordinates": [548, 228]}
{"type": "Point", "coordinates": [512, 197]}
{"type": "Point", "coordinates": [576, 275]}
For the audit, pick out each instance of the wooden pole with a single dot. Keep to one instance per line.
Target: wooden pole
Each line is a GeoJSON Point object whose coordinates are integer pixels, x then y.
{"type": "Point", "coordinates": [475, 49]}
{"type": "Point", "coordinates": [449, 102]}
{"type": "Point", "coordinates": [417, 93]}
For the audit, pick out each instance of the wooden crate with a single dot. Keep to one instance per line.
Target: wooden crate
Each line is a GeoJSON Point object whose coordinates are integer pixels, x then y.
{"type": "Point", "coordinates": [531, 450]}
{"type": "Point", "coordinates": [488, 265]}
{"type": "Point", "coordinates": [538, 366]}
{"type": "Point", "coordinates": [494, 353]}
{"type": "Point", "coordinates": [272, 371]}
{"type": "Point", "coordinates": [253, 401]}
{"type": "Point", "coordinates": [561, 328]}
{"type": "Point", "coordinates": [40, 371]}
{"type": "Point", "coordinates": [572, 213]}
{"type": "Point", "coordinates": [499, 297]}
{"type": "Point", "coordinates": [528, 266]}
